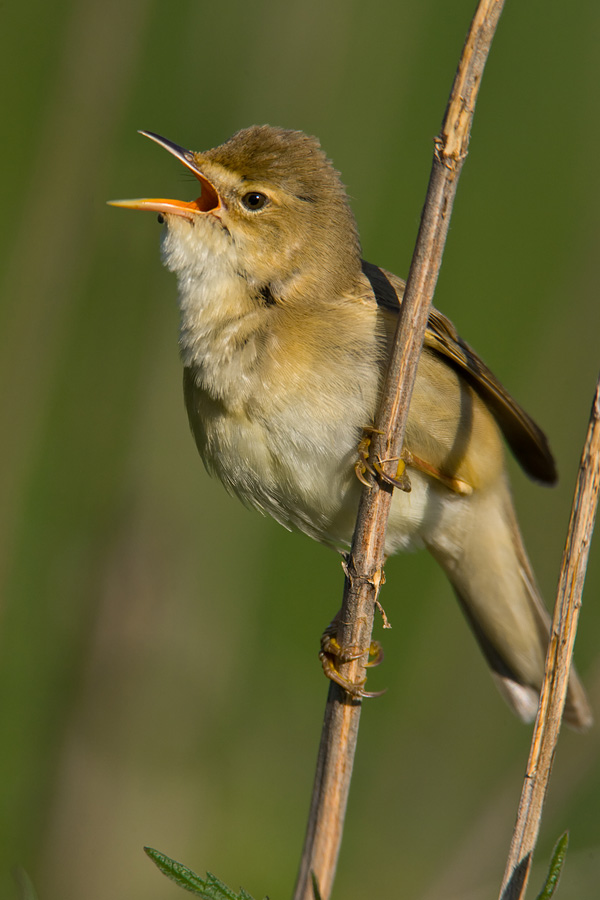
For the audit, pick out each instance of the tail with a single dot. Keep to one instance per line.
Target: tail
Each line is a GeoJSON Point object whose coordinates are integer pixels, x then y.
{"type": "Point", "coordinates": [493, 580]}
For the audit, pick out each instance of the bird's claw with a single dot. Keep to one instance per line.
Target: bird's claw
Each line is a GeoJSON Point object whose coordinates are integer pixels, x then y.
{"type": "Point", "coordinates": [375, 469]}
{"type": "Point", "coordinates": [332, 654]}
{"type": "Point", "coordinates": [400, 480]}
{"type": "Point", "coordinates": [362, 464]}
{"type": "Point", "coordinates": [354, 688]}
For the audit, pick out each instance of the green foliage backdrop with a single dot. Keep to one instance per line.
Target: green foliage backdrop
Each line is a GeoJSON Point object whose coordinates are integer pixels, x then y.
{"type": "Point", "coordinates": [158, 674]}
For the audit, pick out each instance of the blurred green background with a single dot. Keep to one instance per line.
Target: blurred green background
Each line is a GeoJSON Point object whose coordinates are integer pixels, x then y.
{"type": "Point", "coordinates": [158, 674]}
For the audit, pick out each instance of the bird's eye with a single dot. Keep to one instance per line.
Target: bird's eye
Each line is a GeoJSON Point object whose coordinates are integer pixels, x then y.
{"type": "Point", "coordinates": [254, 200]}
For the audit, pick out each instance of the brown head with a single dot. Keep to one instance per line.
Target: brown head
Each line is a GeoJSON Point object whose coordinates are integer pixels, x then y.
{"type": "Point", "coordinates": [273, 203]}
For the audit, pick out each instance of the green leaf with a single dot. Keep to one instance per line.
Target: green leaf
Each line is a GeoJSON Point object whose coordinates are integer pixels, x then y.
{"type": "Point", "coordinates": [556, 864]}
{"type": "Point", "coordinates": [210, 889]}
{"type": "Point", "coordinates": [315, 884]}
{"type": "Point", "coordinates": [25, 888]}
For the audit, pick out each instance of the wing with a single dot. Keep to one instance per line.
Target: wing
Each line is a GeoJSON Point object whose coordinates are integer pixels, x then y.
{"type": "Point", "coordinates": [528, 442]}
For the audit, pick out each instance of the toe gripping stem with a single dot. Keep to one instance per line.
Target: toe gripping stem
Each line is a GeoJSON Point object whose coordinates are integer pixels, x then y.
{"type": "Point", "coordinates": [376, 468]}
{"type": "Point", "coordinates": [332, 654]}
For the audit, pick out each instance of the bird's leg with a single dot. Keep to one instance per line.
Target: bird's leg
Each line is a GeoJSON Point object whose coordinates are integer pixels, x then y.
{"type": "Point", "coordinates": [454, 484]}
{"type": "Point", "coordinates": [401, 479]}
{"type": "Point", "coordinates": [332, 653]}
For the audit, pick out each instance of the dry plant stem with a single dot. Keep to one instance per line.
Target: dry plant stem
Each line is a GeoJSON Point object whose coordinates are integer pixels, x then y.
{"type": "Point", "coordinates": [365, 562]}
{"type": "Point", "coordinates": [558, 663]}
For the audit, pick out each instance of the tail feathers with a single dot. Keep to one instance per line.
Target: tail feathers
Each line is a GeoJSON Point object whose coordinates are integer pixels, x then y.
{"type": "Point", "coordinates": [577, 713]}
{"type": "Point", "coordinates": [496, 588]}
{"type": "Point", "coordinates": [524, 698]}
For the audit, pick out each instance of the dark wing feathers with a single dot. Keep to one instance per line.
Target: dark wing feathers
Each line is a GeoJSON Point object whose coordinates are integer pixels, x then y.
{"type": "Point", "coordinates": [526, 440]}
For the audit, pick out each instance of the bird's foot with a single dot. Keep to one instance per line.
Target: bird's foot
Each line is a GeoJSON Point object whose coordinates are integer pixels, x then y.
{"type": "Point", "coordinates": [332, 654]}
{"type": "Point", "coordinates": [363, 465]}
{"type": "Point", "coordinates": [400, 480]}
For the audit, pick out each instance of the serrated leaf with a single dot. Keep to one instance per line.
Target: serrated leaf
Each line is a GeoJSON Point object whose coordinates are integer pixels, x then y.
{"type": "Point", "coordinates": [25, 888]}
{"type": "Point", "coordinates": [556, 864]}
{"type": "Point", "coordinates": [210, 889]}
{"type": "Point", "coordinates": [244, 895]}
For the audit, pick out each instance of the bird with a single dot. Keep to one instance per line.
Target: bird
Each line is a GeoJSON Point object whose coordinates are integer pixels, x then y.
{"type": "Point", "coordinates": [284, 338]}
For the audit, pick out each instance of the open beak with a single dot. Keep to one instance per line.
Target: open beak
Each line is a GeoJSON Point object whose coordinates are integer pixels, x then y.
{"type": "Point", "coordinates": [208, 201]}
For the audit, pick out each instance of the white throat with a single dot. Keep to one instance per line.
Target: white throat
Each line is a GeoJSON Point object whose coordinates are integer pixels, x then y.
{"type": "Point", "coordinates": [219, 315]}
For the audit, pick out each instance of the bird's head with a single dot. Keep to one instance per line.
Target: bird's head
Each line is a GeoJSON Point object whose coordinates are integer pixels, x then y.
{"type": "Point", "coordinates": [271, 205]}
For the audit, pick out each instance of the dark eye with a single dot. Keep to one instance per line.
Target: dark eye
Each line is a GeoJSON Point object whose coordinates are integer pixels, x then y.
{"type": "Point", "coordinates": [254, 200]}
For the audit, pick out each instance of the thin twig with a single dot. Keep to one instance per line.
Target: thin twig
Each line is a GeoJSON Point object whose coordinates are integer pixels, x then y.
{"type": "Point", "coordinates": [558, 663]}
{"type": "Point", "coordinates": [365, 562]}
